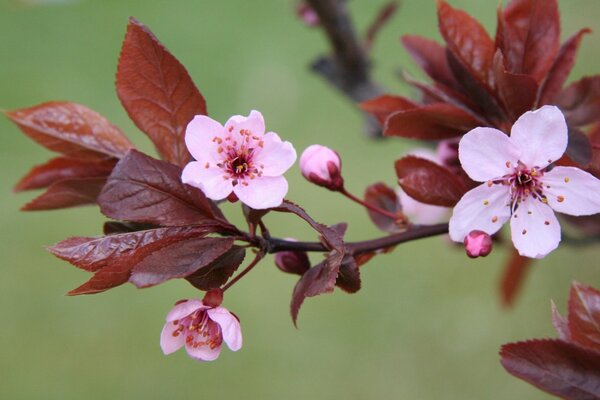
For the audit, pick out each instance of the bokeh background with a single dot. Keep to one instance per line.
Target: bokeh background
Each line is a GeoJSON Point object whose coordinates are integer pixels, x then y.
{"type": "Point", "coordinates": [426, 325]}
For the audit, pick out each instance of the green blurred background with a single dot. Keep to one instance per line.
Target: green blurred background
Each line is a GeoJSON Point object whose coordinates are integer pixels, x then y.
{"type": "Point", "coordinates": [427, 323]}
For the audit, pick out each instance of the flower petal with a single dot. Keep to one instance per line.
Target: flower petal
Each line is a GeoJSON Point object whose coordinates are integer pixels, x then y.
{"type": "Point", "coordinates": [210, 180]}
{"type": "Point", "coordinates": [262, 192]}
{"type": "Point", "coordinates": [276, 156]}
{"type": "Point", "coordinates": [534, 229]}
{"type": "Point", "coordinates": [203, 352]}
{"type": "Point", "coordinates": [421, 213]}
{"type": "Point", "coordinates": [254, 122]}
{"type": "Point", "coordinates": [199, 136]}
{"type": "Point", "coordinates": [169, 341]}
{"type": "Point", "coordinates": [185, 308]}
{"type": "Point", "coordinates": [572, 191]}
{"type": "Point", "coordinates": [485, 208]}
{"type": "Point", "coordinates": [487, 153]}
{"type": "Point", "coordinates": [542, 136]}
{"type": "Point", "coordinates": [230, 327]}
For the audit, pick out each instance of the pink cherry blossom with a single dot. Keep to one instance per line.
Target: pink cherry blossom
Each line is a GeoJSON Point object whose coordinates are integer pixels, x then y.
{"type": "Point", "coordinates": [238, 158]}
{"type": "Point", "coordinates": [322, 166]}
{"type": "Point", "coordinates": [521, 183]}
{"type": "Point", "coordinates": [201, 328]}
{"type": "Point", "coordinates": [478, 244]}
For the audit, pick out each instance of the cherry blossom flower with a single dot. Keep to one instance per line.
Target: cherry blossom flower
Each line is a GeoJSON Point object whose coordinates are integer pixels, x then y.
{"type": "Point", "coordinates": [322, 166]}
{"type": "Point", "coordinates": [201, 328]}
{"type": "Point", "coordinates": [238, 158]}
{"type": "Point", "coordinates": [521, 183]}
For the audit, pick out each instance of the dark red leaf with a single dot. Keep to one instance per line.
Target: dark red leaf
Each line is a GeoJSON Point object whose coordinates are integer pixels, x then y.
{"type": "Point", "coordinates": [318, 280]}
{"type": "Point", "coordinates": [382, 196]}
{"type": "Point", "coordinates": [579, 148]}
{"type": "Point", "coordinates": [554, 366]}
{"type": "Point", "coordinates": [517, 92]}
{"type": "Point", "coordinates": [584, 316]}
{"type": "Point", "coordinates": [60, 168]}
{"type": "Point", "coordinates": [429, 183]}
{"type": "Point", "coordinates": [513, 275]}
{"type": "Point", "coordinates": [71, 129]}
{"type": "Point", "coordinates": [95, 253]}
{"type": "Point", "coordinates": [215, 274]}
{"type": "Point", "coordinates": [67, 193]}
{"type": "Point", "coordinates": [561, 68]}
{"type": "Point", "coordinates": [143, 189]}
{"type": "Point", "coordinates": [560, 323]}
{"type": "Point", "coordinates": [580, 101]}
{"type": "Point", "coordinates": [157, 92]}
{"type": "Point", "coordinates": [348, 278]}
{"type": "Point", "coordinates": [431, 57]}
{"type": "Point", "coordinates": [430, 122]}
{"type": "Point", "coordinates": [383, 106]}
{"type": "Point", "coordinates": [178, 260]}
{"type": "Point", "coordinates": [113, 227]}
{"type": "Point", "coordinates": [468, 41]}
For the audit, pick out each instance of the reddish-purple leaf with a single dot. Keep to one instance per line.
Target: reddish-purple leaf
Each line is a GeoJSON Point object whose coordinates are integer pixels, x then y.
{"type": "Point", "coordinates": [67, 193]}
{"type": "Point", "coordinates": [468, 41]}
{"type": "Point", "coordinates": [318, 280]}
{"type": "Point", "coordinates": [429, 183]}
{"type": "Point", "coordinates": [95, 253]}
{"type": "Point", "coordinates": [61, 168]}
{"type": "Point", "coordinates": [580, 101]}
{"type": "Point", "coordinates": [584, 316]}
{"type": "Point", "coordinates": [560, 323]}
{"type": "Point", "coordinates": [143, 189]}
{"type": "Point", "coordinates": [71, 129]}
{"type": "Point", "coordinates": [113, 227]}
{"type": "Point", "coordinates": [348, 278]}
{"type": "Point", "coordinates": [383, 106]}
{"type": "Point", "coordinates": [430, 122]}
{"type": "Point", "coordinates": [157, 92]}
{"type": "Point", "coordinates": [561, 68]}
{"type": "Point", "coordinates": [178, 260]}
{"type": "Point", "coordinates": [517, 92]}
{"type": "Point", "coordinates": [579, 148]}
{"type": "Point", "coordinates": [554, 366]}
{"type": "Point", "coordinates": [431, 57]}
{"type": "Point", "coordinates": [513, 275]}
{"type": "Point", "coordinates": [382, 196]}
{"type": "Point", "coordinates": [216, 273]}
{"type": "Point", "coordinates": [531, 36]}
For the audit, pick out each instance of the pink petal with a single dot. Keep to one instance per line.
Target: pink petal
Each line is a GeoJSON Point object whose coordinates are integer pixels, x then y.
{"type": "Point", "coordinates": [199, 136]}
{"type": "Point", "coordinates": [183, 309]}
{"type": "Point", "coordinates": [262, 192]}
{"type": "Point", "coordinates": [484, 208]}
{"type": "Point", "coordinates": [254, 122]}
{"type": "Point", "coordinates": [203, 353]}
{"type": "Point", "coordinates": [169, 342]}
{"type": "Point", "coordinates": [276, 156]}
{"type": "Point", "coordinates": [487, 153]}
{"type": "Point", "coordinates": [577, 190]}
{"type": "Point", "coordinates": [210, 180]}
{"type": "Point", "coordinates": [421, 213]}
{"type": "Point", "coordinates": [534, 229]}
{"type": "Point", "coordinates": [230, 327]}
{"type": "Point", "coordinates": [541, 135]}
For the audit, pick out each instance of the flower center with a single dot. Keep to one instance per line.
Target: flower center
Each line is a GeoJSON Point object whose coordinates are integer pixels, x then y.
{"type": "Point", "coordinates": [525, 182]}
{"type": "Point", "coordinates": [199, 330]}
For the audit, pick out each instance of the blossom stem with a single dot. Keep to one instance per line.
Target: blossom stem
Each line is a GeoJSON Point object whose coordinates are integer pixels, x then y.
{"type": "Point", "coordinates": [259, 256]}
{"type": "Point", "coordinates": [371, 207]}
{"type": "Point", "coordinates": [355, 248]}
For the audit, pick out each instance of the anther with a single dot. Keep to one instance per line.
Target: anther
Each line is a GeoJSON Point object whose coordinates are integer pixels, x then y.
{"type": "Point", "coordinates": [560, 199]}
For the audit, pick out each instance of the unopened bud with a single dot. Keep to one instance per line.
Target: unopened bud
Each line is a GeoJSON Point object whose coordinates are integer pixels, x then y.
{"type": "Point", "coordinates": [307, 15]}
{"type": "Point", "coordinates": [322, 166]}
{"type": "Point", "coordinates": [478, 244]}
{"type": "Point", "coordinates": [292, 262]}
{"type": "Point", "coordinates": [213, 298]}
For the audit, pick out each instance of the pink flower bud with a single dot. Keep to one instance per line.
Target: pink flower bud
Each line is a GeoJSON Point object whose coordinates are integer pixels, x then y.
{"type": "Point", "coordinates": [307, 14]}
{"type": "Point", "coordinates": [292, 262]}
{"type": "Point", "coordinates": [322, 166]}
{"type": "Point", "coordinates": [478, 244]}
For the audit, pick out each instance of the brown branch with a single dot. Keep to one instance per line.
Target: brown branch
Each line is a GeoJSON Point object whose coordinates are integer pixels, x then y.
{"type": "Point", "coordinates": [347, 68]}
{"type": "Point", "coordinates": [355, 248]}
